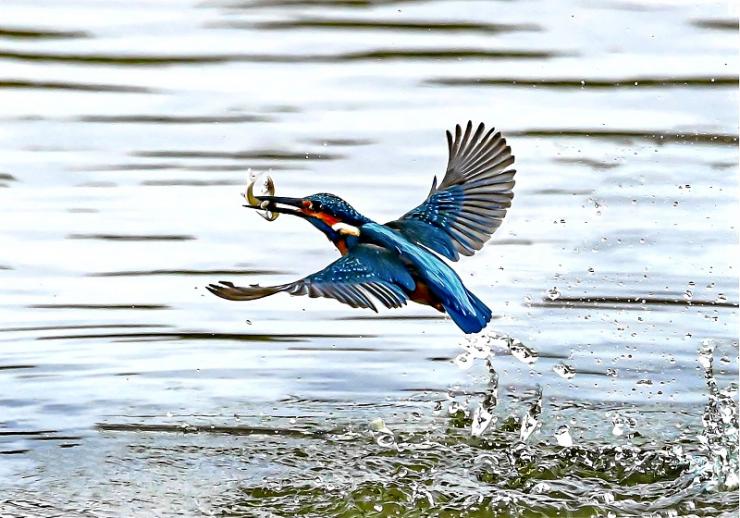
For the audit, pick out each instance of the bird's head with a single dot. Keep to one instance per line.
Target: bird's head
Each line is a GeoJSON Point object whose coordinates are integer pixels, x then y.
{"type": "Point", "coordinates": [329, 213]}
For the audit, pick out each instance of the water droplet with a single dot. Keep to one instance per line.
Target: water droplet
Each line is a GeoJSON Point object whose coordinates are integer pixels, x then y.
{"type": "Point", "coordinates": [479, 346]}
{"type": "Point", "coordinates": [721, 298]}
{"type": "Point", "coordinates": [463, 360]}
{"type": "Point", "coordinates": [562, 435]}
{"type": "Point", "coordinates": [619, 423]}
{"type": "Point", "coordinates": [564, 371]}
{"type": "Point", "coordinates": [482, 419]}
{"type": "Point", "coordinates": [688, 294]}
{"type": "Point", "coordinates": [522, 353]}
{"type": "Point", "coordinates": [644, 381]}
{"type": "Point", "coordinates": [706, 352]}
{"type": "Point", "coordinates": [553, 293]}
{"type": "Point", "coordinates": [607, 498]}
{"type": "Point", "coordinates": [540, 488]}
{"type": "Point", "coordinates": [612, 372]}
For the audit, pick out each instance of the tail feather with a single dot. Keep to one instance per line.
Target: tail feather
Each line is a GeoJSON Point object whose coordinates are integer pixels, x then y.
{"type": "Point", "coordinates": [469, 322]}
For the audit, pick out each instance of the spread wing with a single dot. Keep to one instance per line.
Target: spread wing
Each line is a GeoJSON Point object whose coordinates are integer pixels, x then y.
{"type": "Point", "coordinates": [462, 212]}
{"type": "Point", "coordinates": [368, 272]}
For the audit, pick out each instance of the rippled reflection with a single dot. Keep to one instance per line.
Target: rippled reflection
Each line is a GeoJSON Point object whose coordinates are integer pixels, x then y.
{"type": "Point", "coordinates": [606, 384]}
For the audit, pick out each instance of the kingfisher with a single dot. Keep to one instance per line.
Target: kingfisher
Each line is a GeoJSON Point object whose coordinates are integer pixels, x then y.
{"type": "Point", "coordinates": [403, 259]}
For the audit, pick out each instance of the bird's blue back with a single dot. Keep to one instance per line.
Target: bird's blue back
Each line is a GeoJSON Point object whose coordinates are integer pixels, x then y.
{"type": "Point", "coordinates": [464, 307]}
{"type": "Point", "coordinates": [446, 287]}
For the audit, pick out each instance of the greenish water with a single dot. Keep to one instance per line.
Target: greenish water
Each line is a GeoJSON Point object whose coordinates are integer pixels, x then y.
{"type": "Point", "coordinates": [606, 384]}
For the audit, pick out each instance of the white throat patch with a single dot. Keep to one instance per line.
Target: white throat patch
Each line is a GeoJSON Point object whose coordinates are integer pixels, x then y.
{"type": "Point", "coordinates": [346, 230]}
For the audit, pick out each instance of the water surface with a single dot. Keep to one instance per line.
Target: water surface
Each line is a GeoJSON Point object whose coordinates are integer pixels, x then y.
{"type": "Point", "coordinates": [127, 133]}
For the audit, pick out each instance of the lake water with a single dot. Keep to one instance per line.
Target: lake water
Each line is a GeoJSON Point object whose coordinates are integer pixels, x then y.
{"type": "Point", "coordinates": [127, 133]}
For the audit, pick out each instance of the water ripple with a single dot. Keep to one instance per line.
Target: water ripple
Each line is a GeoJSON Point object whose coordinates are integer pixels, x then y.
{"type": "Point", "coordinates": [430, 26]}
{"type": "Point", "coordinates": [174, 119]}
{"type": "Point", "coordinates": [202, 59]}
{"type": "Point", "coordinates": [27, 84]}
{"type": "Point", "coordinates": [610, 301]}
{"type": "Point", "coordinates": [586, 84]}
{"type": "Point", "coordinates": [658, 137]}
{"type": "Point", "coordinates": [38, 34]}
{"type": "Point", "coordinates": [167, 336]}
{"type": "Point", "coordinates": [133, 237]}
{"type": "Point", "coordinates": [265, 154]}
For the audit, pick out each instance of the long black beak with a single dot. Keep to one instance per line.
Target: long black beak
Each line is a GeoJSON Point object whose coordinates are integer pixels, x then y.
{"type": "Point", "coordinates": [279, 204]}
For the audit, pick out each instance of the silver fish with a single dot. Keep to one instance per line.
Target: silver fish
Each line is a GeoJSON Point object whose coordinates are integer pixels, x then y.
{"type": "Point", "coordinates": [265, 187]}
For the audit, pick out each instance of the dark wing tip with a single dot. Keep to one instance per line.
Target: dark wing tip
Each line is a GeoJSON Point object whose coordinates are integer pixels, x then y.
{"type": "Point", "coordinates": [218, 290]}
{"type": "Point", "coordinates": [227, 290]}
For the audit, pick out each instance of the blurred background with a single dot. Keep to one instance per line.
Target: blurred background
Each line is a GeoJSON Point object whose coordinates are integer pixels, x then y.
{"type": "Point", "coordinates": [127, 133]}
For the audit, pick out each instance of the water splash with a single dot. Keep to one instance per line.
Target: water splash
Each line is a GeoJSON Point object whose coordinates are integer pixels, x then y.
{"type": "Point", "coordinates": [564, 371]}
{"type": "Point", "coordinates": [562, 436]}
{"type": "Point", "coordinates": [719, 438]}
{"type": "Point", "coordinates": [635, 478]}
{"type": "Point", "coordinates": [479, 346]}
{"type": "Point", "coordinates": [521, 352]}
{"type": "Point", "coordinates": [530, 420]}
{"type": "Point", "coordinates": [464, 360]}
{"type": "Point", "coordinates": [484, 417]}
{"type": "Point", "coordinates": [622, 424]}
{"type": "Point", "coordinates": [706, 356]}
{"type": "Point", "coordinates": [383, 435]}
{"type": "Point", "coordinates": [456, 409]}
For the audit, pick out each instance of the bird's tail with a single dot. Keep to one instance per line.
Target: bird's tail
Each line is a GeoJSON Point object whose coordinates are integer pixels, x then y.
{"type": "Point", "coordinates": [469, 322]}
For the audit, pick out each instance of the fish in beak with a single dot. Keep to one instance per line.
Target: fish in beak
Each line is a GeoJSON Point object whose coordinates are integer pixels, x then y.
{"type": "Point", "coordinates": [266, 203]}
{"type": "Point", "coordinates": [275, 205]}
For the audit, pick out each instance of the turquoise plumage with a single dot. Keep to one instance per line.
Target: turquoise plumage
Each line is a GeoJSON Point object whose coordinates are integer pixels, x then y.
{"type": "Point", "coordinates": [397, 262]}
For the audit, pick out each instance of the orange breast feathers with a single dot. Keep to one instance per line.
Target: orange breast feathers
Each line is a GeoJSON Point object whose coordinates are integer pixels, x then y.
{"type": "Point", "coordinates": [341, 244]}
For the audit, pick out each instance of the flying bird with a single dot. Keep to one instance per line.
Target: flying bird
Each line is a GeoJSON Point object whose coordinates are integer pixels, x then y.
{"type": "Point", "coordinates": [399, 261]}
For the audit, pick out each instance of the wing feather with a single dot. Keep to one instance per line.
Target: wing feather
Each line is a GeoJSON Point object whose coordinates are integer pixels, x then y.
{"type": "Point", "coordinates": [470, 202]}
{"type": "Point", "coordinates": [368, 272]}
